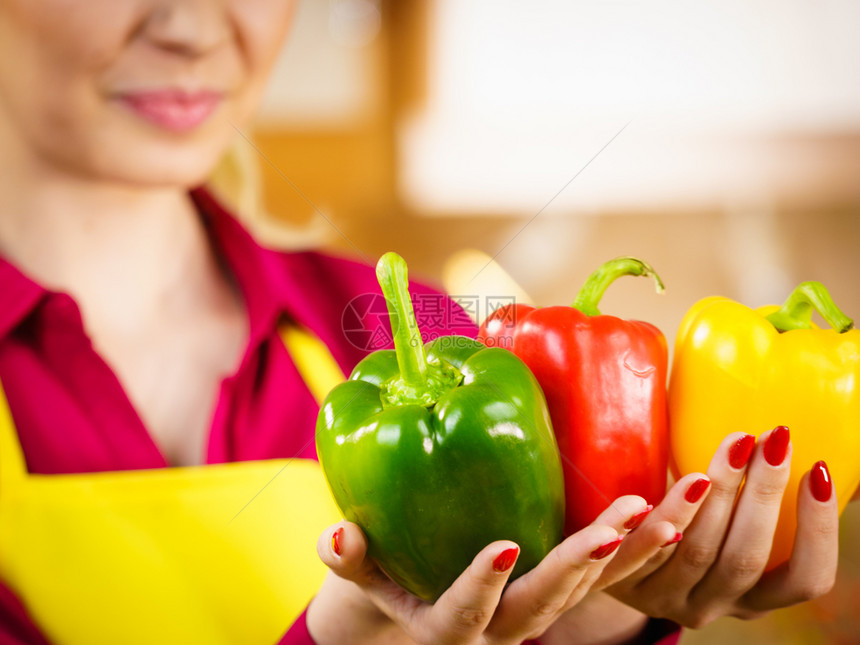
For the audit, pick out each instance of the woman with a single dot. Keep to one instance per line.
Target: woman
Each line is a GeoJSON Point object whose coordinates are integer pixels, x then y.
{"type": "Point", "coordinates": [141, 328]}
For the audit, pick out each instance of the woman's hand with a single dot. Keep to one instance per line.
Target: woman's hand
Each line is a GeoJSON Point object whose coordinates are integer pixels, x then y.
{"type": "Point", "coordinates": [718, 569]}
{"type": "Point", "coordinates": [359, 603]}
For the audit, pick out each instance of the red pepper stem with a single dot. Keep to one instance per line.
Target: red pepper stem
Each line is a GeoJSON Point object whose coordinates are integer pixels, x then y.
{"type": "Point", "coordinates": [807, 298]}
{"type": "Point", "coordinates": [411, 358]}
{"type": "Point", "coordinates": [594, 288]}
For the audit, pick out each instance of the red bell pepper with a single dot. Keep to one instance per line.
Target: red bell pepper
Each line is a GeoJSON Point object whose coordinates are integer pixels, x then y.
{"type": "Point", "coordinates": [605, 382]}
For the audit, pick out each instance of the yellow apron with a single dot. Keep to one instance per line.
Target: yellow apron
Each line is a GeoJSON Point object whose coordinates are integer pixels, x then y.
{"type": "Point", "coordinates": [172, 555]}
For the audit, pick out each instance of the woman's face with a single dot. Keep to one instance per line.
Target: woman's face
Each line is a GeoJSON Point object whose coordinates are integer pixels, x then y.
{"type": "Point", "coordinates": [146, 92]}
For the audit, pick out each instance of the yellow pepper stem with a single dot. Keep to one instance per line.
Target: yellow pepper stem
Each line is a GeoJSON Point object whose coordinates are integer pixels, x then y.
{"type": "Point", "coordinates": [809, 297]}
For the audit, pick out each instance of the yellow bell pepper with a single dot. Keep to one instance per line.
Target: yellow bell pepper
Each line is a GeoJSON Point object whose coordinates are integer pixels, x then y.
{"type": "Point", "coordinates": [735, 369]}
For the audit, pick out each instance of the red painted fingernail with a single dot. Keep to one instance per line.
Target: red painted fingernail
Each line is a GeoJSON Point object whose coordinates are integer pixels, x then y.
{"type": "Point", "coordinates": [604, 550]}
{"type": "Point", "coordinates": [696, 490]}
{"type": "Point", "coordinates": [674, 540]}
{"type": "Point", "coordinates": [776, 445]}
{"type": "Point", "coordinates": [739, 453]}
{"type": "Point", "coordinates": [337, 541]}
{"type": "Point", "coordinates": [636, 520]}
{"type": "Point", "coordinates": [820, 482]}
{"type": "Point", "coordinates": [505, 560]}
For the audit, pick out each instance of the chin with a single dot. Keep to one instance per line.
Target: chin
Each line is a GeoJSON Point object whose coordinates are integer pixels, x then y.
{"type": "Point", "coordinates": [180, 163]}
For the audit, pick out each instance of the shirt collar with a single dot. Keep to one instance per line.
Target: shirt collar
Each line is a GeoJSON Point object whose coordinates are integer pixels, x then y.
{"type": "Point", "coordinates": [259, 272]}
{"type": "Point", "coordinates": [20, 296]}
{"type": "Point", "coordinates": [296, 287]}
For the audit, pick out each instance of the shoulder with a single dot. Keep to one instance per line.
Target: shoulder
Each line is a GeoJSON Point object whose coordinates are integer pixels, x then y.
{"type": "Point", "coordinates": [343, 298]}
{"type": "Point", "coordinates": [345, 273]}
{"type": "Point", "coordinates": [334, 296]}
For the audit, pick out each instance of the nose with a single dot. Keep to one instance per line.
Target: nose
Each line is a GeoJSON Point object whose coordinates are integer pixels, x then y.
{"type": "Point", "coordinates": [188, 27]}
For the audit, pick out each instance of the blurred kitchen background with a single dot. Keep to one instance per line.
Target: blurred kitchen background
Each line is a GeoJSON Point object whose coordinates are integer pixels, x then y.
{"type": "Point", "coordinates": [719, 141]}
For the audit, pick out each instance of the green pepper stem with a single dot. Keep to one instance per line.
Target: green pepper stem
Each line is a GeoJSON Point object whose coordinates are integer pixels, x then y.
{"type": "Point", "coordinates": [808, 297]}
{"type": "Point", "coordinates": [594, 288]}
{"type": "Point", "coordinates": [411, 359]}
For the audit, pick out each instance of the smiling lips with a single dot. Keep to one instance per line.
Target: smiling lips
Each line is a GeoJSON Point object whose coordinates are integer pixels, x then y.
{"type": "Point", "coordinates": [174, 110]}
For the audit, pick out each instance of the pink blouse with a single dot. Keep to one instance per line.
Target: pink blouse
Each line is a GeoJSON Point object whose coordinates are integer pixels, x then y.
{"type": "Point", "coordinates": [54, 378]}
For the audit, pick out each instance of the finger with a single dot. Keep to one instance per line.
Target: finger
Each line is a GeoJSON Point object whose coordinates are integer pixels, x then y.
{"type": "Point", "coordinates": [649, 546]}
{"type": "Point", "coordinates": [698, 551]}
{"type": "Point", "coordinates": [746, 549]}
{"type": "Point", "coordinates": [343, 549]}
{"type": "Point", "coordinates": [811, 571]}
{"type": "Point", "coordinates": [462, 613]}
{"type": "Point", "coordinates": [535, 599]}
{"type": "Point", "coordinates": [625, 513]}
{"type": "Point", "coordinates": [638, 555]}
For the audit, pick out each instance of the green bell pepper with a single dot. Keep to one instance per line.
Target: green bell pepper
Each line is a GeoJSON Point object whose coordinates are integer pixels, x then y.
{"type": "Point", "coordinates": [437, 451]}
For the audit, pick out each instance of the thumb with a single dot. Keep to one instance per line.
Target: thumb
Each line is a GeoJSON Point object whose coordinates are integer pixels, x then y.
{"type": "Point", "coordinates": [343, 549]}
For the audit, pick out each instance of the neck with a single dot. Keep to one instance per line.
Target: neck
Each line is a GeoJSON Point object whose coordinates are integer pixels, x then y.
{"type": "Point", "coordinates": [123, 252]}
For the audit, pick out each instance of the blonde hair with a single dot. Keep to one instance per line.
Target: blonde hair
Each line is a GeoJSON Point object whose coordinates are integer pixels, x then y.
{"type": "Point", "coordinates": [237, 181]}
